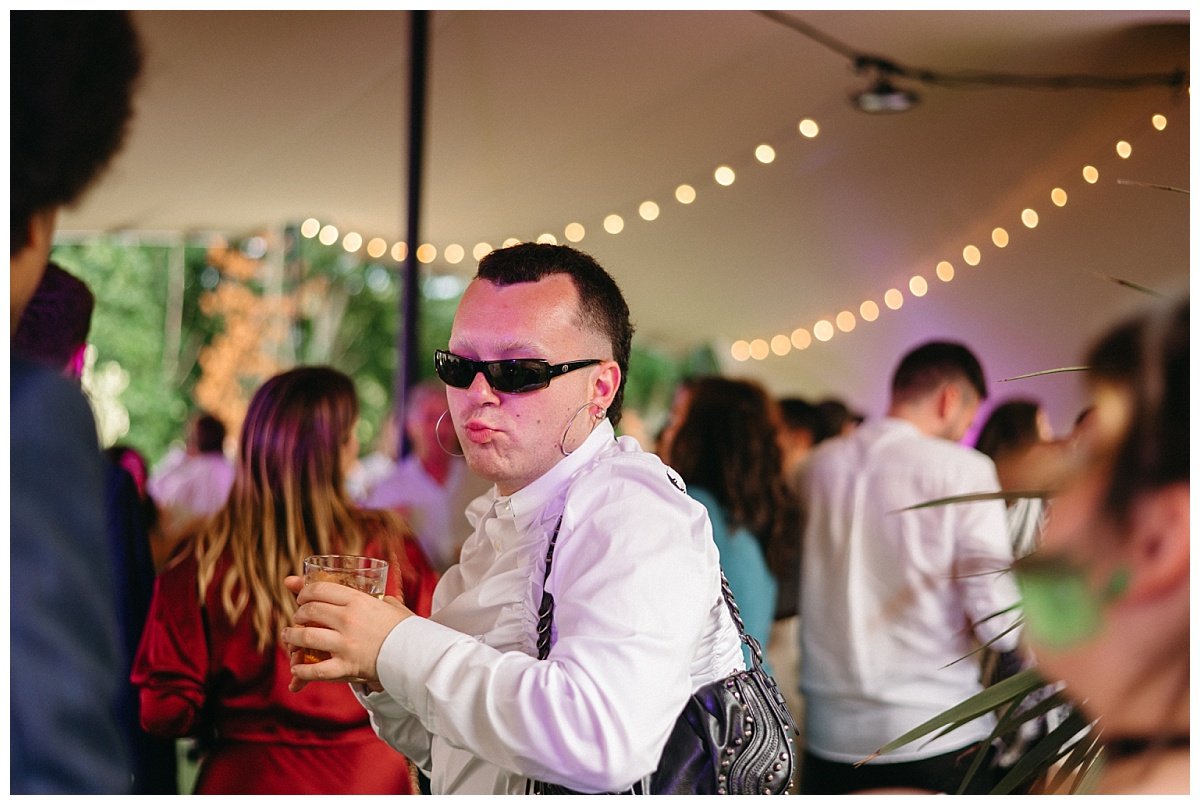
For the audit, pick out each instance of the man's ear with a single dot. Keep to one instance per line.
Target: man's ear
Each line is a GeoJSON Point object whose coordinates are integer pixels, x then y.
{"type": "Point", "coordinates": [1159, 550]}
{"type": "Point", "coordinates": [605, 384]}
{"type": "Point", "coordinates": [948, 398]}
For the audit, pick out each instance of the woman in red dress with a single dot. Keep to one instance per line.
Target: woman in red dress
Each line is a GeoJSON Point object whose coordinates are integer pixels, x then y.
{"type": "Point", "coordinates": [210, 664]}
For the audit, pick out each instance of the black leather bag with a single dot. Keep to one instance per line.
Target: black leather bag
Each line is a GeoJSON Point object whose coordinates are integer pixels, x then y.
{"type": "Point", "coordinates": [734, 736]}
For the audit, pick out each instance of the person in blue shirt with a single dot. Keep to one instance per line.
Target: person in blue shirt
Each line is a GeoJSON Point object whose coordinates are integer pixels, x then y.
{"type": "Point", "coordinates": [724, 444]}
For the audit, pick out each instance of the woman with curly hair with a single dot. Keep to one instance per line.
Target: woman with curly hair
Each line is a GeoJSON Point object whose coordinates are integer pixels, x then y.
{"type": "Point", "coordinates": [724, 444]}
{"type": "Point", "coordinates": [210, 663]}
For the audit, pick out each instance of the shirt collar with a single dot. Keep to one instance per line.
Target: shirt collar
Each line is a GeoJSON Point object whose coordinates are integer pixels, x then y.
{"type": "Point", "coordinates": [537, 495]}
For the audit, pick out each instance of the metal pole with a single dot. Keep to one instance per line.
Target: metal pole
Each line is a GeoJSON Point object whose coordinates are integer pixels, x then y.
{"type": "Point", "coordinates": [406, 347]}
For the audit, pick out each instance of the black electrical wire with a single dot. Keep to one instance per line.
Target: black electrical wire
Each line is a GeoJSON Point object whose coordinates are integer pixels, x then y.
{"type": "Point", "coordinates": [975, 79]}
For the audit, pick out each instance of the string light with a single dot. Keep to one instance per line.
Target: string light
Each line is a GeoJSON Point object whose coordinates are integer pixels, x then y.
{"type": "Point", "coordinates": [741, 350]}
{"type": "Point", "coordinates": [426, 252]}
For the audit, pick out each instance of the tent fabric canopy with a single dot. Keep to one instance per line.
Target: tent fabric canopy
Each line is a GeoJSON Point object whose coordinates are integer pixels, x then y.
{"type": "Point", "coordinates": [539, 119]}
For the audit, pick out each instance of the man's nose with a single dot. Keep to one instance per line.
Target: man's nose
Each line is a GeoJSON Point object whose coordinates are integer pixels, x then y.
{"type": "Point", "coordinates": [481, 389]}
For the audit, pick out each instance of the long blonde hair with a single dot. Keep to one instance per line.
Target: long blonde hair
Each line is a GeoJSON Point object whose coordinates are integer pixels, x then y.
{"type": "Point", "coordinates": [288, 499]}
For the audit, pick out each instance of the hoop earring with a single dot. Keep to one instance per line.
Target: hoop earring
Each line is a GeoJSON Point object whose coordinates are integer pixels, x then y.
{"type": "Point", "coordinates": [437, 434]}
{"type": "Point", "coordinates": [599, 415]}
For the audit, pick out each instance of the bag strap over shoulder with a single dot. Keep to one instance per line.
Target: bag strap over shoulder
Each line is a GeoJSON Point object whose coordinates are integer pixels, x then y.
{"type": "Point", "coordinates": [546, 610]}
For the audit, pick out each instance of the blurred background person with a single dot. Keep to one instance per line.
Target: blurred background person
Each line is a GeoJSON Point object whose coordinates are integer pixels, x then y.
{"type": "Point", "coordinates": [431, 486]}
{"type": "Point", "coordinates": [1017, 437]}
{"type": "Point", "coordinates": [725, 448]}
{"type": "Point", "coordinates": [53, 331]}
{"type": "Point", "coordinates": [193, 482]}
{"type": "Point", "coordinates": [799, 426]}
{"type": "Point", "coordinates": [1107, 595]}
{"type": "Point", "coordinates": [210, 664]}
{"type": "Point", "coordinates": [835, 418]}
{"type": "Point", "coordinates": [371, 469]}
{"type": "Point", "coordinates": [70, 98]}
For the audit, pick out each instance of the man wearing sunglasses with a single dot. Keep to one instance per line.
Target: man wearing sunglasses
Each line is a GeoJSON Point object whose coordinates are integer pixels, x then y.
{"type": "Point", "coordinates": [535, 373]}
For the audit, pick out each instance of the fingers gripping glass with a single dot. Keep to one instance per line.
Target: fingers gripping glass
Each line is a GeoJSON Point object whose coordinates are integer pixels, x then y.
{"type": "Point", "coordinates": [513, 376]}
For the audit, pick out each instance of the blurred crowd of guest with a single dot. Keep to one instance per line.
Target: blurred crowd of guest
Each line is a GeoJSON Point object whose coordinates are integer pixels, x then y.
{"type": "Point", "coordinates": [870, 556]}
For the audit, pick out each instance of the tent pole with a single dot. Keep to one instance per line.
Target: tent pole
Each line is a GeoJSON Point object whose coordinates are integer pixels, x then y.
{"type": "Point", "coordinates": [406, 348]}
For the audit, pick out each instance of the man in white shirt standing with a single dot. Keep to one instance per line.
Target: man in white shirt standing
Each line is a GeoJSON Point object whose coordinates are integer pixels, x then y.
{"type": "Point", "coordinates": [891, 597]}
{"type": "Point", "coordinates": [430, 486]}
{"type": "Point", "coordinates": [535, 373]}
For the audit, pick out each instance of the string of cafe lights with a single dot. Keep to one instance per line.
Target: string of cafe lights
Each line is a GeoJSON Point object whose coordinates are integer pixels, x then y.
{"type": "Point", "coordinates": [778, 345]}
{"type": "Point", "coordinates": [574, 232]}
{"type": "Point", "coordinates": [824, 329]}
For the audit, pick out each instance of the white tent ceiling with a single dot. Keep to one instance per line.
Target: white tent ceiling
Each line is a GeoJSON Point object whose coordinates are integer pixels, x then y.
{"type": "Point", "coordinates": [538, 119]}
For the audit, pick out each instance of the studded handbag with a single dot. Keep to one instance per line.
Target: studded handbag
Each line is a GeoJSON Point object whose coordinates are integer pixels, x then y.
{"type": "Point", "coordinates": [734, 735]}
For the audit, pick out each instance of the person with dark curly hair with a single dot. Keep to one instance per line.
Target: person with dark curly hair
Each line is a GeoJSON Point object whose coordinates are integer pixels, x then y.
{"type": "Point", "coordinates": [71, 84]}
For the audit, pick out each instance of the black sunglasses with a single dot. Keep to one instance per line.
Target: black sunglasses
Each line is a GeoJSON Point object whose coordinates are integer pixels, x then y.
{"type": "Point", "coordinates": [513, 376]}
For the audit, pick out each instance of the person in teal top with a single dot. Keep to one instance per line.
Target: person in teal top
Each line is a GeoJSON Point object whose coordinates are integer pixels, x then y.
{"type": "Point", "coordinates": [723, 443]}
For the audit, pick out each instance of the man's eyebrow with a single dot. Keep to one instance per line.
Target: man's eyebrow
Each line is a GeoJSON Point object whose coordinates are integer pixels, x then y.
{"type": "Point", "coordinates": [507, 349]}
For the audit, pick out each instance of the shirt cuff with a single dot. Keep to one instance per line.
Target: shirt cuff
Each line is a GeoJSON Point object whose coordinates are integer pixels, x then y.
{"type": "Point", "coordinates": [407, 659]}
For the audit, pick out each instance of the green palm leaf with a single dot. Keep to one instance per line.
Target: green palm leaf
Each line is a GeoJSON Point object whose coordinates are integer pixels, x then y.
{"type": "Point", "coordinates": [1016, 686]}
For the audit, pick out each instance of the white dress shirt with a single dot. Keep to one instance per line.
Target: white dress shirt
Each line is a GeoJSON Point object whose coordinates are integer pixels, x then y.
{"type": "Point", "coordinates": [888, 598]}
{"type": "Point", "coordinates": [639, 623]}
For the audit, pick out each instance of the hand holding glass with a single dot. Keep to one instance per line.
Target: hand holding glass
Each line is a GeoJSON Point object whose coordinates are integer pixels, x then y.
{"type": "Point", "coordinates": [357, 572]}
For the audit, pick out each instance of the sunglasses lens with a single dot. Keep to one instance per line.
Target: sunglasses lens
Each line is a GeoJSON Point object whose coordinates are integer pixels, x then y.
{"type": "Point", "coordinates": [518, 375]}
{"type": "Point", "coordinates": [453, 370]}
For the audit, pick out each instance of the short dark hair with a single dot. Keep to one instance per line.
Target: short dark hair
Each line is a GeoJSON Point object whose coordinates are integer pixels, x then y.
{"type": "Point", "coordinates": [72, 77]}
{"type": "Point", "coordinates": [798, 414]}
{"type": "Point", "coordinates": [601, 304]}
{"type": "Point", "coordinates": [56, 321]}
{"type": "Point", "coordinates": [832, 417]}
{"type": "Point", "coordinates": [208, 434]}
{"type": "Point", "coordinates": [1012, 425]}
{"type": "Point", "coordinates": [930, 365]}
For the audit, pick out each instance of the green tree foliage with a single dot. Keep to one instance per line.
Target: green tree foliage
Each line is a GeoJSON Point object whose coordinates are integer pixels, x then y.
{"type": "Point", "coordinates": [149, 329]}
